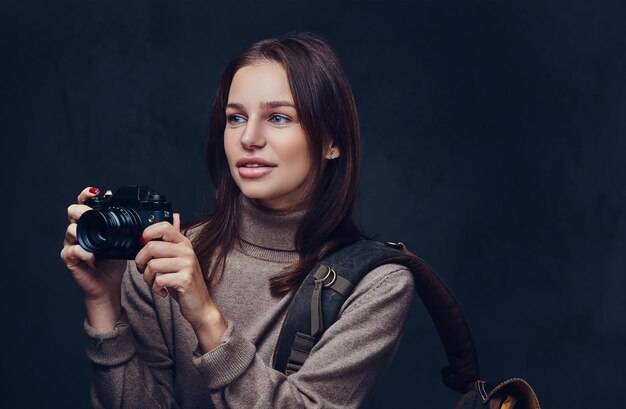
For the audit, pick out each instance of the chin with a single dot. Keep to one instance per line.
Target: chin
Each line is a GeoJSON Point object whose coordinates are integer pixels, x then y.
{"type": "Point", "coordinates": [253, 190]}
{"type": "Point", "coordinates": [256, 193]}
{"type": "Point", "coordinates": [266, 200]}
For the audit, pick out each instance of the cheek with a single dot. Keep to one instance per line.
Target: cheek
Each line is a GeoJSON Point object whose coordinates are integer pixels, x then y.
{"type": "Point", "coordinates": [296, 148]}
{"type": "Point", "coordinates": [229, 146]}
{"type": "Point", "coordinates": [298, 156]}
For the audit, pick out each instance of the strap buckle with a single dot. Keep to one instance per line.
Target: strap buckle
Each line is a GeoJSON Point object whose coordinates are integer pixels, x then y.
{"type": "Point", "coordinates": [330, 277]}
{"type": "Point", "coordinates": [324, 276]}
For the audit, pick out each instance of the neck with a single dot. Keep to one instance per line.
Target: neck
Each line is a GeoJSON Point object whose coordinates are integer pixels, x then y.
{"type": "Point", "coordinates": [267, 233]}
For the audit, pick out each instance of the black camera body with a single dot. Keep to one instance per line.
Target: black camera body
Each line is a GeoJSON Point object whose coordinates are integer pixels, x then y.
{"type": "Point", "coordinates": [111, 230]}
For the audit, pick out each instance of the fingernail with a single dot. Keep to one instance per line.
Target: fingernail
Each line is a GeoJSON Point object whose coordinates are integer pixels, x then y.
{"type": "Point", "coordinates": [94, 190]}
{"type": "Point", "coordinates": [142, 241]}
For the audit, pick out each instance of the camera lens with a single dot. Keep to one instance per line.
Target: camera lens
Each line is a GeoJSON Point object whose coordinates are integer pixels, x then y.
{"type": "Point", "coordinates": [114, 231]}
{"type": "Point", "coordinates": [97, 232]}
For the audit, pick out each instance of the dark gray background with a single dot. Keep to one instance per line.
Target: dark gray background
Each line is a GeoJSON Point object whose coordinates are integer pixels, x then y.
{"type": "Point", "coordinates": [494, 135]}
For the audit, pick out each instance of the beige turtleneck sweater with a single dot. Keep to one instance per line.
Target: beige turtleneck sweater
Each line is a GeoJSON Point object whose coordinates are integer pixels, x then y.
{"type": "Point", "coordinates": [151, 359]}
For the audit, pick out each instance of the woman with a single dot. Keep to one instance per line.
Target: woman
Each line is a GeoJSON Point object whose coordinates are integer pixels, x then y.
{"type": "Point", "coordinates": [198, 328]}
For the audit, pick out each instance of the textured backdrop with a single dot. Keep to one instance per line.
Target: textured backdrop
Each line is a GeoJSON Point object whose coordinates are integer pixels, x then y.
{"type": "Point", "coordinates": [494, 135]}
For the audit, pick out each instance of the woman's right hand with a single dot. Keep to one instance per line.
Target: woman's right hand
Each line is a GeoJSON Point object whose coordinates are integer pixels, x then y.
{"type": "Point", "coordinates": [99, 280]}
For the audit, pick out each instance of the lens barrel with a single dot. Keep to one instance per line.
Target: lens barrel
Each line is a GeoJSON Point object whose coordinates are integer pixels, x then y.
{"type": "Point", "coordinates": [113, 231]}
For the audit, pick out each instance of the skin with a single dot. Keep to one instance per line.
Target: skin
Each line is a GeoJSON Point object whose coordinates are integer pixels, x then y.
{"type": "Point", "coordinates": [262, 122]}
{"type": "Point", "coordinates": [256, 126]}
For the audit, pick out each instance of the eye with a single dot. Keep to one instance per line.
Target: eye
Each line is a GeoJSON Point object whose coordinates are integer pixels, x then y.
{"type": "Point", "coordinates": [235, 119]}
{"type": "Point", "coordinates": [279, 119]}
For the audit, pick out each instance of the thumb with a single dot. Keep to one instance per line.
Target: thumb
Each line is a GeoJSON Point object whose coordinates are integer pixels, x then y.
{"type": "Point", "coordinates": [177, 222]}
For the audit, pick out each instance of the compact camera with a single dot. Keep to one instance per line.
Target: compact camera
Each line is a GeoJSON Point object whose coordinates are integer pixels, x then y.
{"type": "Point", "coordinates": [111, 230]}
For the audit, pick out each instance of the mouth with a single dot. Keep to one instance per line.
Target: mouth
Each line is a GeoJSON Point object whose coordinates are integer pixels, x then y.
{"type": "Point", "coordinates": [252, 168]}
{"type": "Point", "coordinates": [254, 162]}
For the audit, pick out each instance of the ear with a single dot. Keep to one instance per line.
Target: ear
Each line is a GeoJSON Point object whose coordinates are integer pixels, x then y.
{"type": "Point", "coordinates": [332, 152]}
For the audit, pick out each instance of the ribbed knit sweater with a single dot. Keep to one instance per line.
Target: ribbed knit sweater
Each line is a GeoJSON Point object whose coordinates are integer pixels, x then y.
{"type": "Point", "coordinates": [152, 360]}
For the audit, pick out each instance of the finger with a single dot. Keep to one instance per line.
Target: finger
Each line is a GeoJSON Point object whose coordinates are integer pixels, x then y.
{"type": "Point", "coordinates": [70, 235]}
{"type": "Point", "coordinates": [159, 266]}
{"type": "Point", "coordinates": [158, 249]}
{"type": "Point", "coordinates": [177, 222]}
{"type": "Point", "coordinates": [173, 281]}
{"type": "Point", "coordinates": [159, 289]}
{"type": "Point", "coordinates": [74, 255]}
{"type": "Point", "coordinates": [75, 211]}
{"type": "Point", "coordinates": [88, 193]}
{"type": "Point", "coordinates": [163, 231]}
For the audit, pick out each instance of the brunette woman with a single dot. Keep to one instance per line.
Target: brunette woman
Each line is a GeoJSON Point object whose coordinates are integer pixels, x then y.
{"type": "Point", "coordinates": [192, 322]}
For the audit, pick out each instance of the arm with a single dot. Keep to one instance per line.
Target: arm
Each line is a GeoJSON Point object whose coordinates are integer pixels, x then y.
{"type": "Point", "coordinates": [118, 374]}
{"type": "Point", "coordinates": [132, 365]}
{"type": "Point", "coordinates": [123, 375]}
{"type": "Point", "coordinates": [342, 368]}
{"type": "Point", "coordinates": [99, 280]}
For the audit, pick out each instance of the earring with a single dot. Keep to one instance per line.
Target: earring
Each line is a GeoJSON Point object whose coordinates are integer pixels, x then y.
{"type": "Point", "coordinates": [332, 155]}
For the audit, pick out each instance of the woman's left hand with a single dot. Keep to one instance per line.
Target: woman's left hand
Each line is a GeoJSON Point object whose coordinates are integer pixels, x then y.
{"type": "Point", "coordinates": [170, 266]}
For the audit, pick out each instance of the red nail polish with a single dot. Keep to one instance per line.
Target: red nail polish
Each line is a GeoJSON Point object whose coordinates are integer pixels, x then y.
{"type": "Point", "coordinates": [142, 241]}
{"type": "Point", "coordinates": [94, 190]}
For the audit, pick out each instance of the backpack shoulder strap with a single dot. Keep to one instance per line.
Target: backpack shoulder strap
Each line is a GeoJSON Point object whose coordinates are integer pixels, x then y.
{"type": "Point", "coordinates": [317, 303]}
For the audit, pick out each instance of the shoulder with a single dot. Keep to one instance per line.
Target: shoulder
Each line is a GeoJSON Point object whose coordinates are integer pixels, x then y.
{"type": "Point", "coordinates": [388, 284]}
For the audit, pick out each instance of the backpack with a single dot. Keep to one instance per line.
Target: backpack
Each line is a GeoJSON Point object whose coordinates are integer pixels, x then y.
{"type": "Point", "coordinates": [318, 301]}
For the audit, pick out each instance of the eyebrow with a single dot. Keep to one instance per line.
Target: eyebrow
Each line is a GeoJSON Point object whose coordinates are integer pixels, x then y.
{"type": "Point", "coordinates": [263, 105]}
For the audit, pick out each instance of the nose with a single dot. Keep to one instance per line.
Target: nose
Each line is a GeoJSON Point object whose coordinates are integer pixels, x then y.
{"type": "Point", "coordinates": [252, 137]}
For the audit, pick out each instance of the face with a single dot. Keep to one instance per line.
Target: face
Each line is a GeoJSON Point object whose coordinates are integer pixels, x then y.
{"type": "Point", "coordinates": [266, 147]}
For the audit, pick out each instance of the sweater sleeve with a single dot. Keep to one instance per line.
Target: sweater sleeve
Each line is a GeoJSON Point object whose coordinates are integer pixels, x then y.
{"type": "Point", "coordinates": [124, 376]}
{"type": "Point", "coordinates": [342, 368]}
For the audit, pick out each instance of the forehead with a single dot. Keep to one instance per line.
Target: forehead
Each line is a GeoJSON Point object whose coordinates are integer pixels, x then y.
{"type": "Point", "coordinates": [260, 82]}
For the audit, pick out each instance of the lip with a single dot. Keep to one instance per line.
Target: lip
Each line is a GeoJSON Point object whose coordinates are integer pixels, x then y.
{"type": "Point", "coordinates": [263, 169]}
{"type": "Point", "coordinates": [254, 160]}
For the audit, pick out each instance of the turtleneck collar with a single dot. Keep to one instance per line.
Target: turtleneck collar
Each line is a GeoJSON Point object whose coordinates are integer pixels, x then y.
{"type": "Point", "coordinates": [266, 234]}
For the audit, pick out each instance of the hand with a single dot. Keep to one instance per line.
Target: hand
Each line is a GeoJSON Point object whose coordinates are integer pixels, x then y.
{"type": "Point", "coordinates": [99, 280]}
{"type": "Point", "coordinates": [170, 266]}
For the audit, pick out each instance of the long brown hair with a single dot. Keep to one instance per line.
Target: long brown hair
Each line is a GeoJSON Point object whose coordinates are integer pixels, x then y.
{"type": "Point", "coordinates": [327, 113]}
